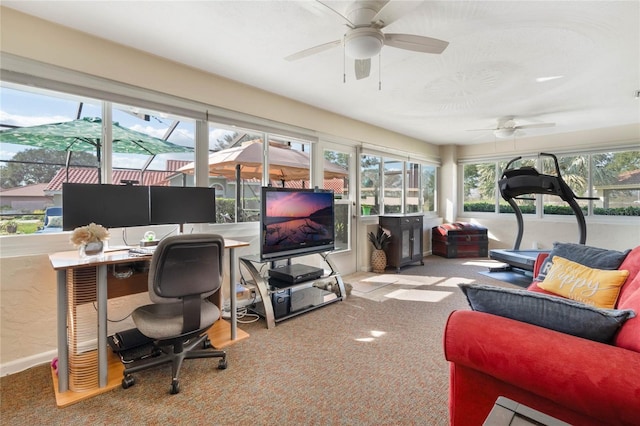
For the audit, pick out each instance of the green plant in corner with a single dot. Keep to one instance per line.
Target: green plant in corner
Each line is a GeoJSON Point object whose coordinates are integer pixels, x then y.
{"type": "Point", "coordinates": [379, 239]}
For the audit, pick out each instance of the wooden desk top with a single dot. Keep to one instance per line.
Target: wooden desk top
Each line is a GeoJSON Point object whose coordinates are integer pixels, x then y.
{"type": "Point", "coordinates": [71, 259]}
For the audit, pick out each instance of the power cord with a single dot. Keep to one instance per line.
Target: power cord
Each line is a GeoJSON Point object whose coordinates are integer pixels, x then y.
{"type": "Point", "coordinates": [110, 320]}
{"type": "Point", "coordinates": [244, 313]}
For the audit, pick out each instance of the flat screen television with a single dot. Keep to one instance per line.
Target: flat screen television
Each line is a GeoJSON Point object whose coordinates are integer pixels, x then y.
{"type": "Point", "coordinates": [112, 206]}
{"type": "Point", "coordinates": [295, 222]}
{"type": "Point", "coordinates": [182, 204]}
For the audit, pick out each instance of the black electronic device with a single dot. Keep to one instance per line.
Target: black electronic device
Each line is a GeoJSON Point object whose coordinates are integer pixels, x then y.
{"type": "Point", "coordinates": [294, 274]}
{"type": "Point", "coordinates": [182, 204]}
{"type": "Point", "coordinates": [295, 222]}
{"type": "Point", "coordinates": [281, 302]}
{"type": "Point", "coordinates": [112, 206]}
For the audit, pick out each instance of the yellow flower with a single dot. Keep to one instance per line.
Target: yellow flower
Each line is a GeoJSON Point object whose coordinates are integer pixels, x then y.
{"type": "Point", "coordinates": [89, 234]}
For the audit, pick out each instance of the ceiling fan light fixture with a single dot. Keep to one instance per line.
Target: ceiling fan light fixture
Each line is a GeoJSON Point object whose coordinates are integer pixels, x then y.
{"type": "Point", "coordinates": [503, 133]}
{"type": "Point", "coordinates": [363, 43]}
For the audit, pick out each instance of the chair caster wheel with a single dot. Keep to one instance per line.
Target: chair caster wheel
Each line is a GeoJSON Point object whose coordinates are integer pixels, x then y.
{"type": "Point", "coordinates": [175, 387]}
{"type": "Point", "coordinates": [222, 364]}
{"type": "Point", "coordinates": [206, 344]}
{"type": "Point", "coordinates": [128, 381]}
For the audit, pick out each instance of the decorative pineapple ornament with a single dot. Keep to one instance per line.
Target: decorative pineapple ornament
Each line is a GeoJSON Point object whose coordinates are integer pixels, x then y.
{"type": "Point", "coordinates": [378, 257]}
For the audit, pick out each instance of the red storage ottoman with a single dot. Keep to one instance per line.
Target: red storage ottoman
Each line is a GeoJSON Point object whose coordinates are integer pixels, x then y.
{"type": "Point", "coordinates": [459, 239]}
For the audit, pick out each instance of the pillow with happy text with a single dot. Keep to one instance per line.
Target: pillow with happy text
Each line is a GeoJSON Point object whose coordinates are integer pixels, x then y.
{"type": "Point", "coordinates": [596, 287]}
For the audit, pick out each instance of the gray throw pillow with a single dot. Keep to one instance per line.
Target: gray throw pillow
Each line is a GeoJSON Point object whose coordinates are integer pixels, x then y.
{"type": "Point", "coordinates": [593, 257]}
{"type": "Point", "coordinates": [552, 312]}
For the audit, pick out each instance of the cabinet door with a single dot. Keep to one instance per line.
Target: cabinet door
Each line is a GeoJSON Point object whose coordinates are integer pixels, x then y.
{"type": "Point", "coordinates": [406, 244]}
{"type": "Point", "coordinates": [416, 241]}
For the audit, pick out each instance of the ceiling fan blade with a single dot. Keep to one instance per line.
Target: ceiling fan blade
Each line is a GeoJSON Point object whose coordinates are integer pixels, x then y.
{"type": "Point", "coordinates": [344, 18]}
{"type": "Point", "coordinates": [313, 50]}
{"type": "Point", "coordinates": [362, 68]}
{"type": "Point", "coordinates": [392, 11]}
{"type": "Point", "coordinates": [535, 125]}
{"type": "Point", "coordinates": [415, 43]}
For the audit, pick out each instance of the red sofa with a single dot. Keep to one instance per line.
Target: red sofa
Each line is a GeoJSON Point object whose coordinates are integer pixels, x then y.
{"type": "Point", "coordinates": [579, 381]}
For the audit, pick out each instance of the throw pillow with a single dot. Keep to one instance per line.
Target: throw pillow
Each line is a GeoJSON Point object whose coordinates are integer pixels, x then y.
{"type": "Point", "coordinates": [54, 222]}
{"type": "Point", "coordinates": [552, 312]}
{"type": "Point", "coordinates": [595, 287]}
{"type": "Point", "coordinates": [593, 257]}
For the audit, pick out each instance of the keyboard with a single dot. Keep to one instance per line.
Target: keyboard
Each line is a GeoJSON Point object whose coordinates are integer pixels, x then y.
{"type": "Point", "coordinates": [142, 251]}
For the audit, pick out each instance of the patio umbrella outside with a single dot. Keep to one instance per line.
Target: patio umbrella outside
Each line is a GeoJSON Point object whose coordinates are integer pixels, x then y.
{"type": "Point", "coordinates": [284, 163]}
{"type": "Point", "coordinates": [86, 135]}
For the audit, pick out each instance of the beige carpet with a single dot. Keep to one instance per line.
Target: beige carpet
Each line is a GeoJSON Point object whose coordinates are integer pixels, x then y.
{"type": "Point", "coordinates": [356, 362]}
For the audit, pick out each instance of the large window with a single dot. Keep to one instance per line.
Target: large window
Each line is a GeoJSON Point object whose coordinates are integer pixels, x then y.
{"type": "Point", "coordinates": [479, 187]}
{"type": "Point", "coordinates": [33, 165]}
{"type": "Point", "coordinates": [148, 147]}
{"type": "Point", "coordinates": [616, 183]}
{"type": "Point", "coordinates": [370, 179]}
{"type": "Point", "coordinates": [153, 163]}
{"type": "Point", "coordinates": [407, 186]}
{"type": "Point", "coordinates": [611, 178]}
{"type": "Point", "coordinates": [336, 178]}
{"type": "Point", "coordinates": [393, 186]}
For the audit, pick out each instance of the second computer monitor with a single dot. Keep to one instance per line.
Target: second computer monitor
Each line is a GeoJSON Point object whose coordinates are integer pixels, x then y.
{"type": "Point", "coordinates": [178, 205]}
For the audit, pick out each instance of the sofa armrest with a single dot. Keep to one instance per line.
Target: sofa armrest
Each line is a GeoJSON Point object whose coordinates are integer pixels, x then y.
{"type": "Point", "coordinates": [538, 263]}
{"type": "Point", "coordinates": [600, 380]}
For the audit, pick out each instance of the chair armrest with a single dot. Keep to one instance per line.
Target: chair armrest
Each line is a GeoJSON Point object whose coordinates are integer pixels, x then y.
{"type": "Point", "coordinates": [600, 380]}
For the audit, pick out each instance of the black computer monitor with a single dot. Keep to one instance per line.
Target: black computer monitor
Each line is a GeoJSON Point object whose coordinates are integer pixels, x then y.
{"type": "Point", "coordinates": [182, 204]}
{"type": "Point", "coordinates": [112, 206]}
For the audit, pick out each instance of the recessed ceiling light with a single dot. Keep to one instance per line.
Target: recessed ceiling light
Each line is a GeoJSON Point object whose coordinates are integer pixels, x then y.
{"type": "Point", "coordinates": [553, 77]}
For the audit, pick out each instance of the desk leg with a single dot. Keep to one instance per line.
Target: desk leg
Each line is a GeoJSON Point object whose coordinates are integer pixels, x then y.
{"type": "Point", "coordinates": [102, 325]}
{"type": "Point", "coordinates": [233, 266]}
{"type": "Point", "coordinates": [63, 349]}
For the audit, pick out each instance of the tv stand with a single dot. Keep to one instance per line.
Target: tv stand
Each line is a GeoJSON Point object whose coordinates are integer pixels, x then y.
{"type": "Point", "coordinates": [284, 302]}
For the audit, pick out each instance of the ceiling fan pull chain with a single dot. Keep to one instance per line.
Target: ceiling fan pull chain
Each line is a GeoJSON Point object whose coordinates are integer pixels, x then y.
{"type": "Point", "coordinates": [344, 63]}
{"type": "Point", "coordinates": [380, 71]}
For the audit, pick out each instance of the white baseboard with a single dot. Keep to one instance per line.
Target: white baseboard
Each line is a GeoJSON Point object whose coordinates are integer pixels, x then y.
{"type": "Point", "coordinates": [22, 364]}
{"type": "Point", "coordinates": [25, 363]}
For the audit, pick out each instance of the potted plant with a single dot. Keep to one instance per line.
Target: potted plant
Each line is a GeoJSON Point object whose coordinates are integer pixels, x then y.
{"type": "Point", "coordinates": [380, 241]}
{"type": "Point", "coordinates": [11, 226]}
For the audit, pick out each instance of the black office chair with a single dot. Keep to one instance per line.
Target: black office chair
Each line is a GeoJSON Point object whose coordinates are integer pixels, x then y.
{"type": "Point", "coordinates": [185, 270]}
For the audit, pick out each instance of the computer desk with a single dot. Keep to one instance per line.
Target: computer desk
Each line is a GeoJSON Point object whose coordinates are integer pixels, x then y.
{"type": "Point", "coordinates": [83, 281]}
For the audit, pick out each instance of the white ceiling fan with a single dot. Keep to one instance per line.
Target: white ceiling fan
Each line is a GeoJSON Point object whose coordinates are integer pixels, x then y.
{"type": "Point", "coordinates": [507, 127]}
{"type": "Point", "coordinates": [364, 38]}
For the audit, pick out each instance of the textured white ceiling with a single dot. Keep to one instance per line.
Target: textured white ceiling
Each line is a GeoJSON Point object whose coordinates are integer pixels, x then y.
{"type": "Point", "coordinates": [497, 51]}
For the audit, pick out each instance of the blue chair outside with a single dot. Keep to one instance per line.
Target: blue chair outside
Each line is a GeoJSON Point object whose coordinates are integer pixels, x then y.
{"type": "Point", "coordinates": [52, 220]}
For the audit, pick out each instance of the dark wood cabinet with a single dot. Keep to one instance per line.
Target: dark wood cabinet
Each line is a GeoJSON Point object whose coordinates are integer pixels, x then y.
{"type": "Point", "coordinates": [406, 239]}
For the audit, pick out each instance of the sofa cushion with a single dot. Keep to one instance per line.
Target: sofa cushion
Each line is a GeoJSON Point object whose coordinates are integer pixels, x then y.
{"type": "Point", "coordinates": [555, 313]}
{"type": "Point", "coordinates": [597, 287]}
{"type": "Point", "coordinates": [593, 257]}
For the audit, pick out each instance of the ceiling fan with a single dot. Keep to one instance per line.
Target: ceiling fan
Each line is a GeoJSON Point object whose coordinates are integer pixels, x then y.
{"type": "Point", "coordinates": [507, 127]}
{"type": "Point", "coordinates": [364, 38]}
